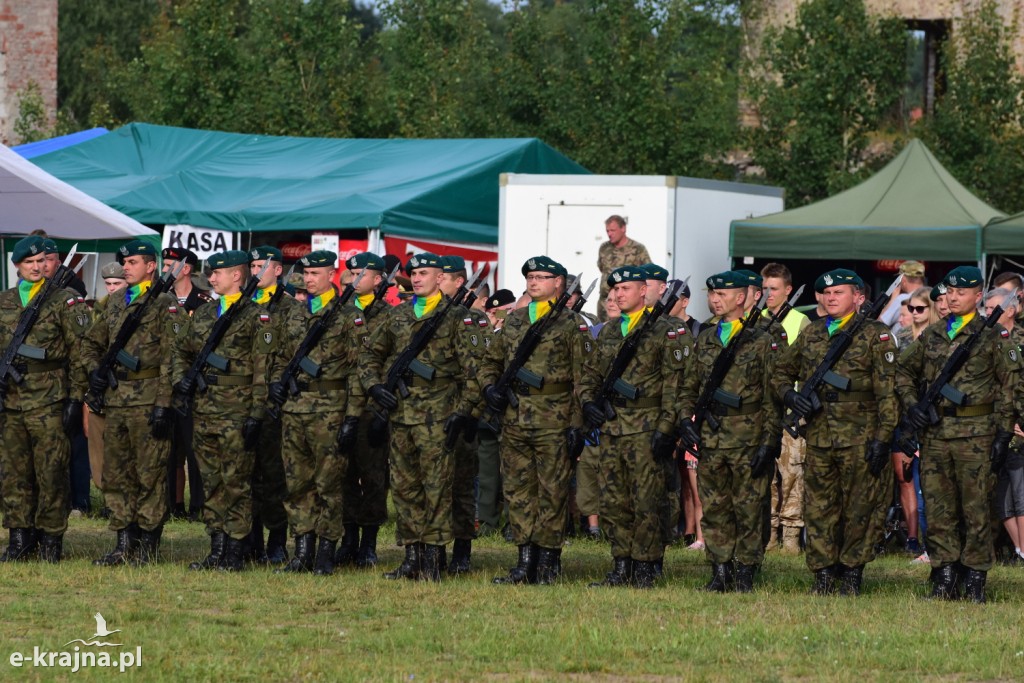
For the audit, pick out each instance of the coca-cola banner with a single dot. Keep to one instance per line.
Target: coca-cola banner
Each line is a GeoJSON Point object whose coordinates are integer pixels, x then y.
{"type": "Point", "coordinates": [476, 255]}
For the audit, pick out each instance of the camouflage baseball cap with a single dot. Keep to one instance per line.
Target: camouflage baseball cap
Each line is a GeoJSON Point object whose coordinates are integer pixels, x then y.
{"type": "Point", "coordinates": [963, 276]}
{"type": "Point", "coordinates": [838, 276]}
{"type": "Point", "coordinates": [227, 259]}
{"type": "Point", "coordinates": [265, 252]}
{"type": "Point", "coordinates": [112, 270]}
{"type": "Point", "coordinates": [912, 268]}
{"type": "Point", "coordinates": [727, 279]}
{"type": "Point", "coordinates": [296, 282]}
{"type": "Point", "coordinates": [543, 264]}
{"type": "Point", "coordinates": [366, 260]}
{"type": "Point", "coordinates": [321, 258]}
{"type": "Point", "coordinates": [423, 260]}
{"type": "Point", "coordinates": [655, 272]}
{"type": "Point", "coordinates": [627, 274]}
{"type": "Point", "coordinates": [27, 246]}
{"type": "Point", "coordinates": [135, 248]}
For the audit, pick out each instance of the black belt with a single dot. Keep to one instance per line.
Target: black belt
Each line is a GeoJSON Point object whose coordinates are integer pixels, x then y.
{"type": "Point", "coordinates": [229, 380]}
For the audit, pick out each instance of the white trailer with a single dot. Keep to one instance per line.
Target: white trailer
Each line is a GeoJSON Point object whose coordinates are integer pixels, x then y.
{"type": "Point", "coordinates": [683, 222]}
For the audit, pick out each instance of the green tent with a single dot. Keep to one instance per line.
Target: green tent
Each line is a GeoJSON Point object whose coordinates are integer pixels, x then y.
{"type": "Point", "coordinates": [912, 208]}
{"type": "Point", "coordinates": [1005, 235]}
{"type": "Point", "coordinates": [439, 189]}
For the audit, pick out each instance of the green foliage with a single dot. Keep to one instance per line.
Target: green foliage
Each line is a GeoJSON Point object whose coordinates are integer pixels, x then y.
{"type": "Point", "coordinates": [31, 124]}
{"type": "Point", "coordinates": [831, 80]}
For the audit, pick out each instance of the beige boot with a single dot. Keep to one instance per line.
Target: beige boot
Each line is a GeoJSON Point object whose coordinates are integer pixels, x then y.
{"type": "Point", "coordinates": [773, 540]}
{"type": "Point", "coordinates": [791, 540]}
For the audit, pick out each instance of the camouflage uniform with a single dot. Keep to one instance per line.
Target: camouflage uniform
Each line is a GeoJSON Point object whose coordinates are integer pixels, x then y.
{"type": "Point", "coordinates": [844, 505]}
{"type": "Point", "coordinates": [610, 257]}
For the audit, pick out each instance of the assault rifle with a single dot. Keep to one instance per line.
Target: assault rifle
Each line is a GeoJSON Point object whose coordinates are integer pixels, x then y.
{"type": "Point", "coordinates": [279, 292]}
{"type": "Point", "coordinates": [823, 374]}
{"type": "Point", "coordinates": [582, 300]}
{"type": "Point", "coordinates": [784, 310]}
{"type": "Point", "coordinates": [382, 289]}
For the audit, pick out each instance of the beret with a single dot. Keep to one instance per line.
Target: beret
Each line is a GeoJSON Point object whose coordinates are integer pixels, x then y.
{"type": "Point", "coordinates": [423, 260]}
{"type": "Point", "coordinates": [452, 263]}
{"type": "Point", "coordinates": [180, 254]}
{"type": "Point", "coordinates": [838, 276]}
{"type": "Point", "coordinates": [543, 264]}
{"type": "Point", "coordinates": [963, 276]}
{"type": "Point", "coordinates": [627, 274]}
{"type": "Point", "coordinates": [727, 279]}
{"type": "Point", "coordinates": [503, 297]}
{"type": "Point", "coordinates": [227, 259]}
{"type": "Point", "coordinates": [135, 248]}
{"type": "Point", "coordinates": [112, 270]}
{"type": "Point", "coordinates": [753, 279]}
{"type": "Point", "coordinates": [367, 261]}
{"type": "Point", "coordinates": [49, 246]}
{"type": "Point", "coordinates": [265, 252]}
{"type": "Point", "coordinates": [655, 272]}
{"type": "Point", "coordinates": [319, 259]}
{"type": "Point", "coordinates": [27, 246]}
{"type": "Point", "coordinates": [937, 291]}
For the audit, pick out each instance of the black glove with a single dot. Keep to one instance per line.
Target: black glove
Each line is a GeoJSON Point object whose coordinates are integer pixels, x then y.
{"type": "Point", "coordinates": [160, 423]}
{"type": "Point", "coordinates": [688, 431]}
{"type": "Point", "coordinates": [1000, 449]}
{"type": "Point", "coordinates": [662, 446]}
{"type": "Point", "coordinates": [384, 398]}
{"type": "Point", "coordinates": [594, 413]}
{"type": "Point", "coordinates": [277, 394]}
{"type": "Point", "coordinates": [347, 435]}
{"type": "Point", "coordinates": [470, 429]}
{"type": "Point", "coordinates": [798, 403]}
{"type": "Point", "coordinates": [251, 433]}
{"type": "Point", "coordinates": [377, 434]}
{"type": "Point", "coordinates": [918, 416]}
{"type": "Point", "coordinates": [574, 442]}
{"type": "Point", "coordinates": [184, 387]}
{"type": "Point", "coordinates": [764, 456]}
{"type": "Point", "coordinates": [496, 400]}
{"type": "Point", "coordinates": [876, 455]}
{"type": "Point", "coordinates": [71, 418]}
{"type": "Point", "coordinates": [453, 426]}
{"type": "Point", "coordinates": [97, 383]}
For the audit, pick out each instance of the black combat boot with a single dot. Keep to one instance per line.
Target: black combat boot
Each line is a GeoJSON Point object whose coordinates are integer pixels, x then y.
{"type": "Point", "coordinates": [549, 565]}
{"type": "Point", "coordinates": [462, 551]}
{"type": "Point", "coordinates": [235, 552]}
{"type": "Point", "coordinates": [410, 567]}
{"type": "Point", "coordinates": [149, 547]}
{"type": "Point", "coordinates": [305, 555]}
{"type": "Point", "coordinates": [125, 549]}
{"type": "Point", "coordinates": [525, 570]}
{"type": "Point", "coordinates": [434, 557]}
{"type": "Point", "coordinates": [348, 549]}
{"type": "Point", "coordinates": [20, 546]}
{"type": "Point", "coordinates": [850, 579]}
{"type": "Point", "coordinates": [277, 540]}
{"type": "Point", "coordinates": [366, 558]}
{"type": "Point", "coordinates": [974, 586]}
{"type": "Point", "coordinates": [824, 581]}
{"type": "Point", "coordinates": [744, 582]}
{"type": "Point", "coordinates": [644, 574]}
{"type": "Point", "coordinates": [218, 539]}
{"type": "Point", "coordinates": [51, 547]}
{"type": "Point", "coordinates": [256, 551]}
{"type": "Point", "coordinates": [659, 568]}
{"type": "Point", "coordinates": [946, 583]}
{"type": "Point", "coordinates": [324, 565]}
{"type": "Point", "coordinates": [721, 578]}
{"type": "Point", "coordinates": [620, 575]}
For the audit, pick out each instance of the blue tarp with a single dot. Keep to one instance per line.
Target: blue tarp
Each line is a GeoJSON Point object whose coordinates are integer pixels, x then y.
{"type": "Point", "coordinates": [34, 149]}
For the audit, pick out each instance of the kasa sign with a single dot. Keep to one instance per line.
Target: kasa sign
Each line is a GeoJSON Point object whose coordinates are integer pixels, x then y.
{"type": "Point", "coordinates": [203, 241]}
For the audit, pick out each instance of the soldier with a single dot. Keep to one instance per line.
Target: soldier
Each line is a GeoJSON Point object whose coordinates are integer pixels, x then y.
{"type": "Point", "coordinates": [618, 251]}
{"type": "Point", "coordinates": [735, 458]}
{"type": "Point", "coordinates": [845, 493]}
{"type": "Point", "coordinates": [319, 425]}
{"type": "Point", "coordinates": [268, 481]}
{"type": "Point", "coordinates": [366, 481]}
{"type": "Point", "coordinates": [535, 445]}
{"type": "Point", "coordinates": [41, 413]}
{"type": "Point", "coordinates": [136, 440]}
{"type": "Point", "coordinates": [435, 410]}
{"type": "Point", "coordinates": [961, 451]}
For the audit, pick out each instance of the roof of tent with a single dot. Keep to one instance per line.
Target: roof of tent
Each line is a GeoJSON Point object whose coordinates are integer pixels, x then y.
{"type": "Point", "coordinates": [1005, 235]}
{"type": "Point", "coordinates": [444, 189]}
{"type": "Point", "coordinates": [911, 208]}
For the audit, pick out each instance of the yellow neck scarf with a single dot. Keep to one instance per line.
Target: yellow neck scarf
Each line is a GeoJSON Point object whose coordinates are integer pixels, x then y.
{"type": "Point", "coordinates": [135, 291]}
{"type": "Point", "coordinates": [263, 296]}
{"type": "Point", "coordinates": [538, 309]}
{"type": "Point", "coordinates": [422, 307]}
{"type": "Point", "coordinates": [364, 300]}
{"type": "Point", "coordinates": [28, 290]}
{"type": "Point", "coordinates": [226, 301]}
{"type": "Point", "coordinates": [629, 320]}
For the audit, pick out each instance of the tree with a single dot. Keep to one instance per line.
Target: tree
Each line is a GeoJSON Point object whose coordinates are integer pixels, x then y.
{"type": "Point", "coordinates": [31, 124]}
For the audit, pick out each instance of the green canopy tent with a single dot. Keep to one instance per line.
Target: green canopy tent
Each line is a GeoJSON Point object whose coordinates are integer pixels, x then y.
{"type": "Point", "coordinates": [427, 189]}
{"type": "Point", "coordinates": [1005, 235]}
{"type": "Point", "coordinates": [912, 208]}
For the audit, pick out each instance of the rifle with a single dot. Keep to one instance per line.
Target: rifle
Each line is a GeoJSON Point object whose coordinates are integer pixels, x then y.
{"type": "Point", "coordinates": [823, 374]}
{"type": "Point", "coordinates": [115, 354]}
{"type": "Point", "coordinates": [784, 310]}
{"type": "Point", "coordinates": [941, 388]}
{"type": "Point", "coordinates": [194, 378]}
{"type": "Point", "coordinates": [472, 296]}
{"type": "Point", "coordinates": [527, 345]}
{"type": "Point", "coordinates": [382, 289]}
{"type": "Point", "coordinates": [613, 384]}
{"type": "Point", "coordinates": [582, 300]}
{"type": "Point", "coordinates": [27, 319]}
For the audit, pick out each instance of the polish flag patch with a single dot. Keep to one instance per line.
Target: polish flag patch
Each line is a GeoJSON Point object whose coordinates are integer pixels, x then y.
{"type": "Point", "coordinates": [884, 336]}
{"type": "Point", "coordinates": [775, 347]}
{"type": "Point", "coordinates": [584, 328]}
{"type": "Point", "coordinates": [172, 309]}
{"type": "Point", "coordinates": [682, 331]}
{"type": "Point", "coordinates": [1004, 334]}
{"type": "Point", "coordinates": [467, 321]}
{"type": "Point", "coordinates": [482, 322]}
{"type": "Point", "coordinates": [264, 318]}
{"type": "Point", "coordinates": [359, 322]}
{"type": "Point", "coordinates": [71, 301]}
{"type": "Point", "coordinates": [672, 334]}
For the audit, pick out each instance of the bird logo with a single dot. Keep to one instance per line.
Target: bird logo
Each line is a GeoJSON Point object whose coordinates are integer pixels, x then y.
{"type": "Point", "coordinates": [101, 632]}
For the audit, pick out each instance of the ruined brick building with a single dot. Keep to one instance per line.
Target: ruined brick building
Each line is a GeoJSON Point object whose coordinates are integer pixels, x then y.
{"type": "Point", "coordinates": [28, 52]}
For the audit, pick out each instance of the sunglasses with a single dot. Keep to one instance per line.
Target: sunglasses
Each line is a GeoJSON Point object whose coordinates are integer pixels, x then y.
{"type": "Point", "coordinates": [916, 309]}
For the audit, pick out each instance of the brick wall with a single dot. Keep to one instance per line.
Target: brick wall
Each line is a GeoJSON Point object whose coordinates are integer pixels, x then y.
{"type": "Point", "coordinates": [28, 52]}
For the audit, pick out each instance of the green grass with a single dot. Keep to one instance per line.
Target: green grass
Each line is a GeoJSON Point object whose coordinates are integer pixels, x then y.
{"type": "Point", "coordinates": [357, 626]}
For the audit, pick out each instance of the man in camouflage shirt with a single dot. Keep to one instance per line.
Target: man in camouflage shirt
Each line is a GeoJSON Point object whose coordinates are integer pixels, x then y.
{"type": "Point", "coordinates": [618, 251]}
{"type": "Point", "coordinates": [41, 413]}
{"type": "Point", "coordinates": [845, 492]}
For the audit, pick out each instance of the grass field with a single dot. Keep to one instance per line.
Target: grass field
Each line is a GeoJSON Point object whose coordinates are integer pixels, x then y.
{"type": "Point", "coordinates": [357, 626]}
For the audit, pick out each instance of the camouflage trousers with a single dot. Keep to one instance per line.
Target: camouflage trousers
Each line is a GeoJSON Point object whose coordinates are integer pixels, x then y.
{"type": "Point", "coordinates": [464, 490]}
{"type": "Point", "coordinates": [422, 470]}
{"type": "Point", "coordinates": [735, 505]}
{"type": "Point", "coordinates": [268, 481]}
{"type": "Point", "coordinates": [632, 493]}
{"type": "Point", "coordinates": [226, 469]}
{"type": "Point", "coordinates": [668, 511]}
{"type": "Point", "coordinates": [134, 470]}
{"type": "Point", "coordinates": [588, 490]}
{"type": "Point", "coordinates": [314, 471]}
{"type": "Point", "coordinates": [957, 484]}
{"type": "Point", "coordinates": [489, 477]}
{"type": "Point", "coordinates": [788, 490]}
{"type": "Point", "coordinates": [97, 424]}
{"type": "Point", "coordinates": [535, 469]}
{"type": "Point", "coordinates": [366, 481]}
{"type": "Point", "coordinates": [844, 507]}
{"type": "Point", "coordinates": [34, 470]}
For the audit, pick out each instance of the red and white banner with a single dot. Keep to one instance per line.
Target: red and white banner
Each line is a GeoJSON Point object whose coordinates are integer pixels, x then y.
{"type": "Point", "coordinates": [476, 255]}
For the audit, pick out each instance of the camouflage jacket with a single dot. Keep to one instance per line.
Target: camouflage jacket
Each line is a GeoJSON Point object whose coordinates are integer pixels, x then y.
{"type": "Point", "coordinates": [454, 387]}
{"type": "Point", "coordinates": [657, 371]}
{"type": "Point", "coordinates": [336, 388]}
{"type": "Point", "coordinates": [62, 320]}
{"type": "Point", "coordinates": [163, 321]}
{"type": "Point", "coordinates": [990, 375]}
{"type": "Point", "coordinates": [869, 364]}
{"type": "Point", "coordinates": [749, 378]}
{"type": "Point", "coordinates": [241, 390]}
{"type": "Point", "coordinates": [610, 257]}
{"type": "Point", "coordinates": [558, 359]}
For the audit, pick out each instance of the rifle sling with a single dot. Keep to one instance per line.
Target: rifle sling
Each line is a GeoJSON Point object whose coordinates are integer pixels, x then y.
{"type": "Point", "coordinates": [969, 411]}
{"type": "Point", "coordinates": [228, 380]}
{"type": "Point", "coordinates": [43, 366]}
{"type": "Point", "coordinates": [644, 402]}
{"type": "Point", "coordinates": [323, 385]}
{"type": "Point", "coordinates": [147, 373]}
{"type": "Point", "coordinates": [555, 388]}
{"type": "Point", "coordinates": [719, 410]}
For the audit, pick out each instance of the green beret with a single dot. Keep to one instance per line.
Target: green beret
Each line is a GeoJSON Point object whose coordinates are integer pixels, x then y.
{"type": "Point", "coordinates": [655, 272]}
{"type": "Point", "coordinates": [753, 279]}
{"type": "Point", "coordinates": [627, 274]}
{"type": "Point", "coordinates": [49, 246]}
{"type": "Point", "coordinates": [963, 276]}
{"type": "Point", "coordinates": [319, 259]}
{"type": "Point", "coordinates": [367, 261]}
{"type": "Point", "coordinates": [227, 259]}
{"type": "Point", "coordinates": [28, 246]}
{"type": "Point", "coordinates": [727, 279]}
{"type": "Point", "coordinates": [135, 248]}
{"type": "Point", "coordinates": [839, 276]}
{"type": "Point", "coordinates": [452, 263]}
{"type": "Point", "coordinates": [543, 264]}
{"type": "Point", "coordinates": [937, 291]}
{"type": "Point", "coordinates": [266, 253]}
{"type": "Point", "coordinates": [422, 260]}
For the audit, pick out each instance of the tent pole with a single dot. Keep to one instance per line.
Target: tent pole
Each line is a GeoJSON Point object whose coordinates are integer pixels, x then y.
{"type": "Point", "coordinates": [374, 242]}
